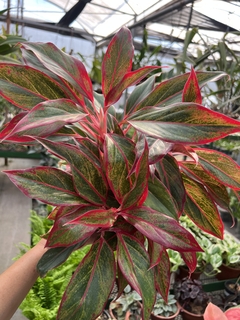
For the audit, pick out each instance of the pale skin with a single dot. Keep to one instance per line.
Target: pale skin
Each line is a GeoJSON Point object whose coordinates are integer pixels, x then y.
{"type": "Point", "coordinates": [18, 279]}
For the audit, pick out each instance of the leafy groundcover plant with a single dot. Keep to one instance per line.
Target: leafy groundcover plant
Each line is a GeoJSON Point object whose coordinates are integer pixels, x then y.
{"type": "Point", "coordinates": [123, 189]}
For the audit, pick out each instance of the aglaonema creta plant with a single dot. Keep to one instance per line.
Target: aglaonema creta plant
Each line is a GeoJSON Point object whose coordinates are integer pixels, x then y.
{"type": "Point", "coordinates": [129, 176]}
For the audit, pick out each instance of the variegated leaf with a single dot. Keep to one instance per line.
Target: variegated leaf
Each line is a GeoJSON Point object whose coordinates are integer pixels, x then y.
{"type": "Point", "coordinates": [161, 229]}
{"type": "Point", "coordinates": [54, 257]}
{"type": "Point", "coordinates": [217, 190]}
{"type": "Point", "coordinates": [191, 90]}
{"type": "Point", "coordinates": [64, 234]}
{"type": "Point", "coordinates": [220, 166]}
{"type": "Point", "coordinates": [187, 123]}
{"type": "Point", "coordinates": [139, 191]}
{"type": "Point", "coordinates": [25, 87]}
{"type": "Point", "coordinates": [117, 60]}
{"type": "Point", "coordinates": [65, 66]}
{"type": "Point", "coordinates": [47, 184]}
{"type": "Point", "coordinates": [164, 203]}
{"type": "Point", "coordinates": [155, 252]}
{"type": "Point", "coordinates": [88, 177]}
{"type": "Point", "coordinates": [170, 91]}
{"type": "Point", "coordinates": [162, 275]}
{"type": "Point", "coordinates": [47, 117]}
{"type": "Point", "coordinates": [90, 286]}
{"type": "Point", "coordinates": [60, 211]}
{"type": "Point", "coordinates": [102, 218]}
{"type": "Point", "coordinates": [134, 263]}
{"type": "Point", "coordinates": [139, 93]}
{"type": "Point", "coordinates": [168, 171]}
{"type": "Point", "coordinates": [190, 259]}
{"type": "Point", "coordinates": [119, 158]}
{"type": "Point", "coordinates": [201, 209]}
{"type": "Point", "coordinates": [129, 79]}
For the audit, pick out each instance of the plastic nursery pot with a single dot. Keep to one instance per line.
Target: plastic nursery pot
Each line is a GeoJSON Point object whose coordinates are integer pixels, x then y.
{"type": "Point", "coordinates": [227, 272]}
{"type": "Point", "coordinates": [184, 272]}
{"type": "Point", "coordinates": [186, 315]}
{"type": "Point", "coordinates": [231, 287]}
{"type": "Point", "coordinates": [159, 317]}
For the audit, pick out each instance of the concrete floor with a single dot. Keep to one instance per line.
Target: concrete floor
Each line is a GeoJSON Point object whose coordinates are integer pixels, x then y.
{"type": "Point", "coordinates": [14, 216]}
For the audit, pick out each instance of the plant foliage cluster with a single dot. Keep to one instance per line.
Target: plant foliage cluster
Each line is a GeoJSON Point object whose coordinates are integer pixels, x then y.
{"type": "Point", "coordinates": [127, 180]}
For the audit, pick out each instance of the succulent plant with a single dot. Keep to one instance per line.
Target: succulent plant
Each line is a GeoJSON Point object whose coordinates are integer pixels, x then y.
{"type": "Point", "coordinates": [163, 308]}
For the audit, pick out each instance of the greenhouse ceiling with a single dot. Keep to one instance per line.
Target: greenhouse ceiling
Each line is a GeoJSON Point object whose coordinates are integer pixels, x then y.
{"type": "Point", "coordinates": [98, 20]}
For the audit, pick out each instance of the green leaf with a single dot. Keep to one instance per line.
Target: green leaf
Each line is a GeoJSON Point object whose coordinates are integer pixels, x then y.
{"type": "Point", "coordinates": [117, 60]}
{"type": "Point", "coordinates": [139, 93]}
{"type": "Point", "coordinates": [163, 203]}
{"type": "Point", "coordinates": [220, 166]}
{"type": "Point", "coordinates": [119, 158]}
{"type": "Point", "coordinates": [47, 184]}
{"type": "Point", "coordinates": [25, 87]}
{"type": "Point", "coordinates": [161, 229]}
{"type": "Point", "coordinates": [134, 263]}
{"type": "Point", "coordinates": [201, 209]}
{"type": "Point", "coordinates": [90, 285]}
{"type": "Point", "coordinates": [170, 91]}
{"type": "Point", "coordinates": [87, 174]}
{"type": "Point", "coordinates": [188, 39]}
{"type": "Point", "coordinates": [48, 117]}
{"type": "Point", "coordinates": [65, 66]}
{"type": "Point", "coordinates": [217, 191]}
{"type": "Point", "coordinates": [64, 234]}
{"type": "Point", "coordinates": [162, 275]}
{"type": "Point", "coordinates": [188, 123]}
{"type": "Point", "coordinates": [191, 90]}
{"type": "Point", "coordinates": [170, 175]}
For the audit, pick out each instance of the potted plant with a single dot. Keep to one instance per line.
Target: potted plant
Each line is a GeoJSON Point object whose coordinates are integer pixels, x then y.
{"type": "Point", "coordinates": [165, 310]}
{"type": "Point", "coordinates": [208, 260]}
{"type": "Point", "coordinates": [192, 298]}
{"type": "Point", "coordinates": [232, 293]}
{"type": "Point", "coordinates": [124, 187]}
{"type": "Point", "coordinates": [127, 306]}
{"type": "Point", "coordinates": [230, 249]}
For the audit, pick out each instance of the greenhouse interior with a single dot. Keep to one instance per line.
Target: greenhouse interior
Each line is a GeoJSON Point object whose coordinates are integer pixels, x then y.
{"type": "Point", "coordinates": [119, 159]}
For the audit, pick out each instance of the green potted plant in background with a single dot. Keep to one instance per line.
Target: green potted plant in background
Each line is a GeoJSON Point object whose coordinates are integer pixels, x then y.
{"type": "Point", "coordinates": [124, 189]}
{"type": "Point", "coordinates": [127, 306]}
{"type": "Point", "coordinates": [165, 310]}
{"type": "Point", "coordinates": [230, 254]}
{"type": "Point", "coordinates": [208, 260]}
